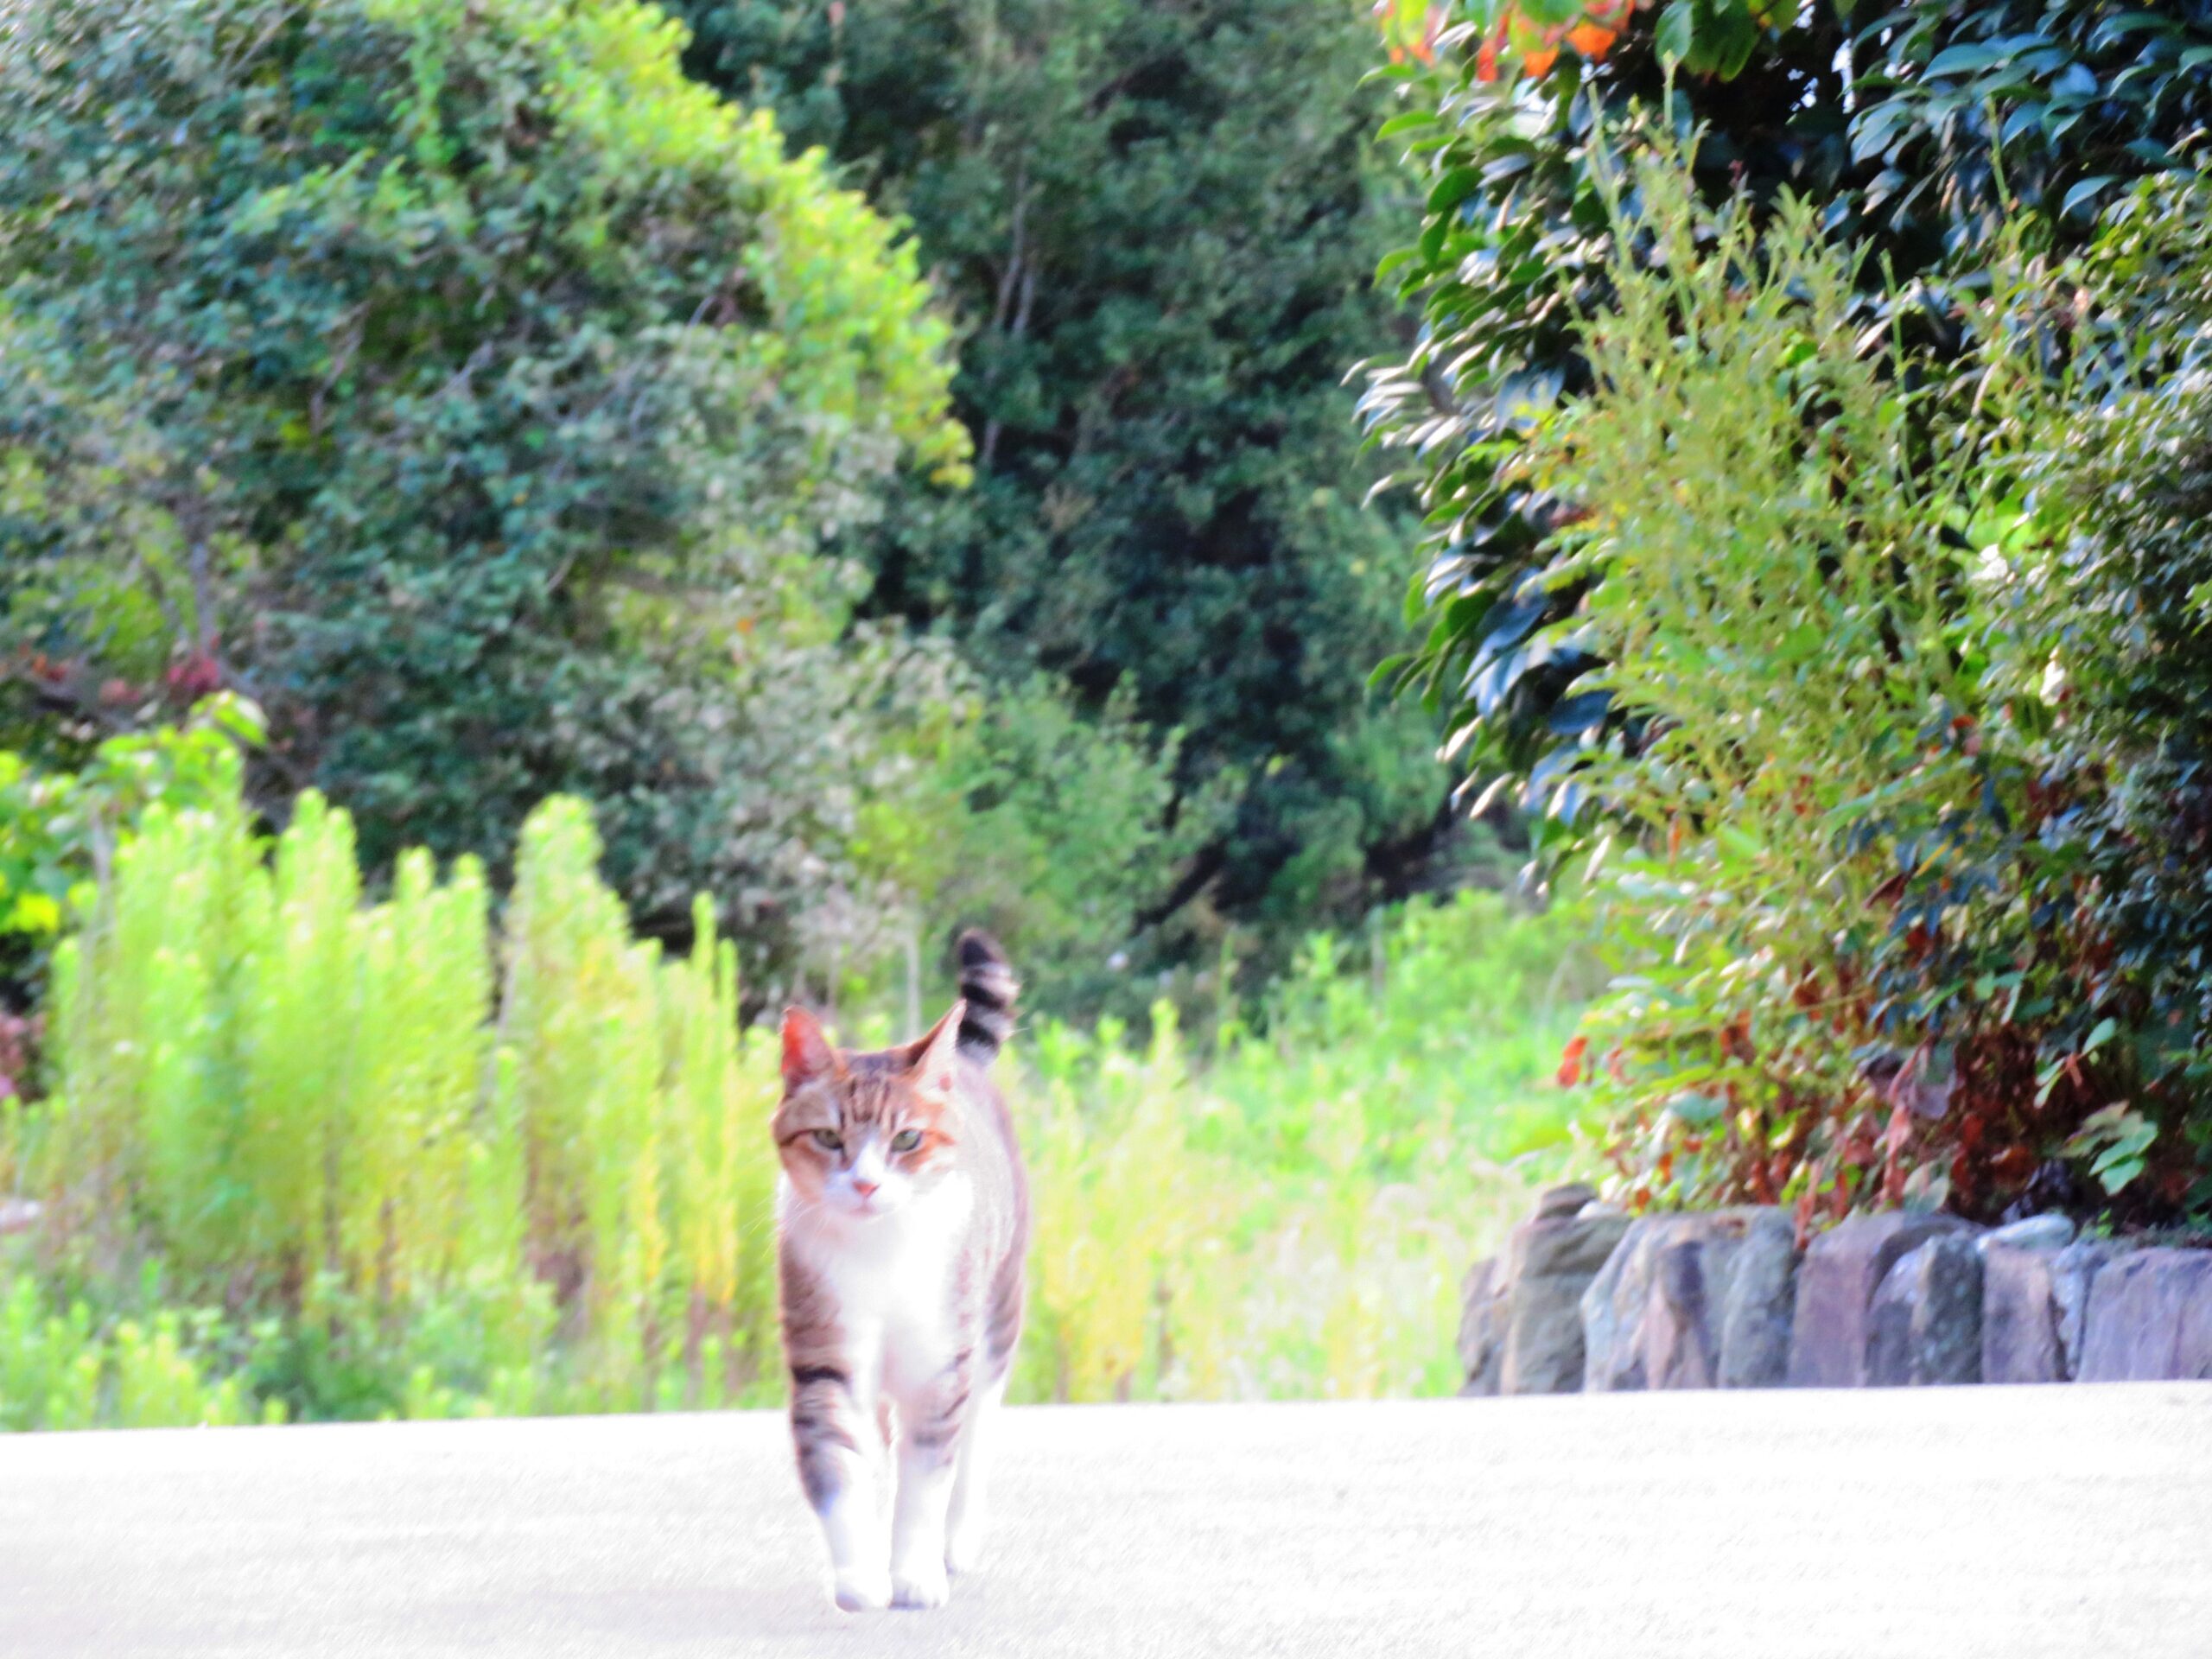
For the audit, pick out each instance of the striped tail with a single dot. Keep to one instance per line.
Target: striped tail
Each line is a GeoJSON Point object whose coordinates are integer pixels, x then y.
{"type": "Point", "coordinates": [988, 986]}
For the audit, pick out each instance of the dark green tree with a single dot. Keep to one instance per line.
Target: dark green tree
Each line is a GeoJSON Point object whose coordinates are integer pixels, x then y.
{"type": "Point", "coordinates": [470, 388]}
{"type": "Point", "coordinates": [1157, 222]}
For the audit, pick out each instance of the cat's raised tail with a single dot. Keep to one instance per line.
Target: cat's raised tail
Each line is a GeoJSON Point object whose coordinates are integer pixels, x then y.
{"type": "Point", "coordinates": [988, 988]}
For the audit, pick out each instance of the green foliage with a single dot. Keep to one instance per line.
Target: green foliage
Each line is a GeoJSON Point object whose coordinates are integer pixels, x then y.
{"type": "Point", "coordinates": [2055, 104]}
{"type": "Point", "coordinates": [56, 1373]}
{"type": "Point", "coordinates": [1049, 828]}
{"type": "Point", "coordinates": [1893, 934]}
{"type": "Point", "coordinates": [1155, 222]}
{"type": "Point", "coordinates": [1770, 564]}
{"type": "Point", "coordinates": [49, 1366]}
{"type": "Point", "coordinates": [2113, 582]}
{"type": "Point", "coordinates": [308, 1157]}
{"type": "Point", "coordinates": [1292, 1218]}
{"type": "Point", "coordinates": [1754, 587]}
{"type": "Point", "coordinates": [1903, 125]}
{"type": "Point", "coordinates": [57, 829]}
{"type": "Point", "coordinates": [1447, 1013]}
{"type": "Point", "coordinates": [472, 389]}
{"type": "Point", "coordinates": [273, 1097]}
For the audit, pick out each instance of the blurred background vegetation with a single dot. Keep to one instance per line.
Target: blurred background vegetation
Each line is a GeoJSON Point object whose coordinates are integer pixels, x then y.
{"type": "Point", "coordinates": [531, 534]}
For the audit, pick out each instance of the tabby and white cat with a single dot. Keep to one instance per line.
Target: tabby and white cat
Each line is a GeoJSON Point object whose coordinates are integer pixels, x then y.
{"type": "Point", "coordinates": [902, 1218]}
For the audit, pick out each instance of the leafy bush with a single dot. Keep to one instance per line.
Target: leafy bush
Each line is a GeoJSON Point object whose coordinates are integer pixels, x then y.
{"type": "Point", "coordinates": [472, 389]}
{"type": "Point", "coordinates": [1292, 1218]}
{"type": "Point", "coordinates": [1049, 827]}
{"type": "Point", "coordinates": [1938, 981]}
{"type": "Point", "coordinates": [2111, 589]}
{"type": "Point", "coordinates": [273, 1098]}
{"type": "Point", "coordinates": [58, 828]}
{"type": "Point", "coordinates": [312, 1157]}
{"type": "Point", "coordinates": [56, 1373]}
{"type": "Point", "coordinates": [1882, 911]}
{"type": "Point", "coordinates": [1906, 126]}
{"type": "Point", "coordinates": [1450, 1014]}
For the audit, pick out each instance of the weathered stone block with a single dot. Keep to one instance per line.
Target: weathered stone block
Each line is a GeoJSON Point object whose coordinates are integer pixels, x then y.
{"type": "Point", "coordinates": [1481, 1329]}
{"type": "Point", "coordinates": [1681, 1323]}
{"type": "Point", "coordinates": [2073, 1270]}
{"type": "Point", "coordinates": [1924, 1325]}
{"type": "Point", "coordinates": [2035, 1233]}
{"type": "Point", "coordinates": [2149, 1317]}
{"type": "Point", "coordinates": [1657, 1314]}
{"type": "Point", "coordinates": [2019, 1317]}
{"type": "Point", "coordinates": [1548, 1264]}
{"type": "Point", "coordinates": [1613, 1306]}
{"type": "Point", "coordinates": [1559, 1203]}
{"type": "Point", "coordinates": [1759, 1306]}
{"type": "Point", "coordinates": [1836, 1283]}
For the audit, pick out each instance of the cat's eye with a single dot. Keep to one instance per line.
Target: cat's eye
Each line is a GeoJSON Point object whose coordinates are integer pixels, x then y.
{"type": "Point", "coordinates": [828, 1140]}
{"type": "Point", "coordinates": [906, 1139]}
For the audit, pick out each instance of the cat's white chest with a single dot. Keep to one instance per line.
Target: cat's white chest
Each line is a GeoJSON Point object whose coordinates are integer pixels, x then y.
{"type": "Point", "coordinates": [891, 1280]}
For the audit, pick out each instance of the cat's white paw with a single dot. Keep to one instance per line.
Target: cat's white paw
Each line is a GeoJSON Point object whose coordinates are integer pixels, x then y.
{"type": "Point", "coordinates": [921, 1583]}
{"type": "Point", "coordinates": [863, 1592]}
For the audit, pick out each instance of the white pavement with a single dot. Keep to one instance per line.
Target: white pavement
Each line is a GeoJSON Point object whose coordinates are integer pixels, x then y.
{"type": "Point", "coordinates": [1927, 1524]}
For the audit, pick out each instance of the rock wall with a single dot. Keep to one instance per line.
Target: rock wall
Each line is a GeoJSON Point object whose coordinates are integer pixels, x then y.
{"type": "Point", "coordinates": [1584, 1296]}
{"type": "Point", "coordinates": [1692, 1301]}
{"type": "Point", "coordinates": [1521, 1329]}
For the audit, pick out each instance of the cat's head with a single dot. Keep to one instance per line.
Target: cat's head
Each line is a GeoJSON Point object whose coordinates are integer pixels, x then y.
{"type": "Point", "coordinates": [865, 1134]}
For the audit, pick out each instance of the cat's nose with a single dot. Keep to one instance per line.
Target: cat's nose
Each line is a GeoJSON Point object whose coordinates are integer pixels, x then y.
{"type": "Point", "coordinates": [866, 1189]}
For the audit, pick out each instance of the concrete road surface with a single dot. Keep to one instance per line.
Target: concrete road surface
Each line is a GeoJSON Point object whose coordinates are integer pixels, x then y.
{"type": "Point", "coordinates": [1928, 1524]}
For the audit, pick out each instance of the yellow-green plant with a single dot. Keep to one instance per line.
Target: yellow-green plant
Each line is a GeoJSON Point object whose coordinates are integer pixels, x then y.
{"type": "Point", "coordinates": [279, 1098]}
{"type": "Point", "coordinates": [1292, 1218]}
{"type": "Point", "coordinates": [56, 1371]}
{"type": "Point", "coordinates": [313, 1155]}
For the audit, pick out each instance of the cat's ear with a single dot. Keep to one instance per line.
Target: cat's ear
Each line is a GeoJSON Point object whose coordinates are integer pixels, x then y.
{"type": "Point", "coordinates": [929, 1056]}
{"type": "Point", "coordinates": [807, 1053]}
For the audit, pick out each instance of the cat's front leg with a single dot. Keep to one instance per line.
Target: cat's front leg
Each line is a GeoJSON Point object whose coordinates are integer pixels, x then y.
{"type": "Point", "coordinates": [966, 1518]}
{"type": "Point", "coordinates": [930, 1419]}
{"type": "Point", "coordinates": [836, 1438]}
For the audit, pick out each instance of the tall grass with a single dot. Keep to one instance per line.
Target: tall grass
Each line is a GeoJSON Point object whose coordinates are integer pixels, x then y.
{"type": "Point", "coordinates": [310, 1156]}
{"type": "Point", "coordinates": [1292, 1218]}
{"type": "Point", "coordinates": [407, 1173]}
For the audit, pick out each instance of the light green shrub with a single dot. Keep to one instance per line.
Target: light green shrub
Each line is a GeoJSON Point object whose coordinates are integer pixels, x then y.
{"type": "Point", "coordinates": [298, 1104]}
{"type": "Point", "coordinates": [1293, 1218]}
{"type": "Point", "coordinates": [411, 1175]}
{"type": "Point", "coordinates": [57, 1371]}
{"type": "Point", "coordinates": [49, 1364]}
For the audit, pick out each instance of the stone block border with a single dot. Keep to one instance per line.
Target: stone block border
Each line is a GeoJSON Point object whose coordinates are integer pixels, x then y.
{"type": "Point", "coordinates": [1584, 1296]}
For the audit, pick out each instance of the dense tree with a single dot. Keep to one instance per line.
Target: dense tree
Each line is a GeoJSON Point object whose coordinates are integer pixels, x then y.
{"type": "Point", "coordinates": [1910, 123]}
{"type": "Point", "coordinates": [1157, 220]}
{"type": "Point", "coordinates": [1805, 419]}
{"type": "Point", "coordinates": [471, 389]}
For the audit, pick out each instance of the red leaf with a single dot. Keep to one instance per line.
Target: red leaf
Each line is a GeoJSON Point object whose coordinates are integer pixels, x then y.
{"type": "Point", "coordinates": [1570, 1062]}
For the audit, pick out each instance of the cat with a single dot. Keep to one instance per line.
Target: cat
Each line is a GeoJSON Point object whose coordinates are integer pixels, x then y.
{"type": "Point", "coordinates": [902, 1221]}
